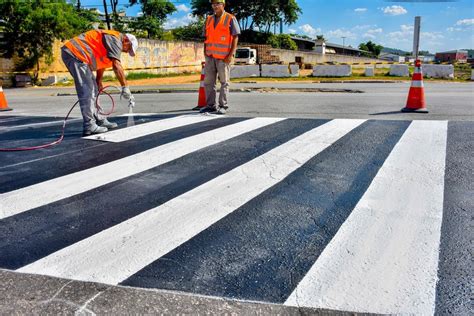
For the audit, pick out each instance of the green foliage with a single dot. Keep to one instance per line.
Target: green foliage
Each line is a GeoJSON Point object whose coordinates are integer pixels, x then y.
{"type": "Point", "coordinates": [191, 32]}
{"type": "Point", "coordinates": [154, 16]}
{"type": "Point", "coordinates": [168, 36]}
{"type": "Point", "coordinates": [31, 26]}
{"type": "Point", "coordinates": [282, 41]}
{"type": "Point", "coordinates": [371, 47]}
{"type": "Point", "coordinates": [261, 13]}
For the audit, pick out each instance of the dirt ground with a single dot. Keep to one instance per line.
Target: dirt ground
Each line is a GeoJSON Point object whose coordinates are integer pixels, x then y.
{"type": "Point", "coordinates": [164, 81]}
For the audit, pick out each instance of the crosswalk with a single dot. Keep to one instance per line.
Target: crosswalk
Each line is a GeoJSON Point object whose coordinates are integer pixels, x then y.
{"type": "Point", "coordinates": [335, 214]}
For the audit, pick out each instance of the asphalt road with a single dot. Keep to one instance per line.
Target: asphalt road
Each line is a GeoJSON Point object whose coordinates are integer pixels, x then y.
{"type": "Point", "coordinates": [445, 101]}
{"type": "Point", "coordinates": [226, 212]}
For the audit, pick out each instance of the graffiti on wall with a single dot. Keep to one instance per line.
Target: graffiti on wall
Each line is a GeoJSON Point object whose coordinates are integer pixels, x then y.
{"type": "Point", "coordinates": [151, 54]}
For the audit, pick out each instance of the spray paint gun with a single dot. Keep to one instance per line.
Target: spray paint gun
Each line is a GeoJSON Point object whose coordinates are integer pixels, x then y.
{"type": "Point", "coordinates": [131, 103]}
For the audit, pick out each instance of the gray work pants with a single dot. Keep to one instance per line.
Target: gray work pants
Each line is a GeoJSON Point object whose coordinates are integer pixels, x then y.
{"type": "Point", "coordinates": [216, 67]}
{"type": "Point", "coordinates": [86, 88]}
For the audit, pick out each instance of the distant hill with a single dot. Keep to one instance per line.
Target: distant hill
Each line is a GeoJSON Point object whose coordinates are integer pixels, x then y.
{"type": "Point", "coordinates": [394, 51]}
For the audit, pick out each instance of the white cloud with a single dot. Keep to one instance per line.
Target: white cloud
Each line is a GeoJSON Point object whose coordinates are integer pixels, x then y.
{"type": "Point", "coordinates": [177, 22]}
{"type": "Point", "coordinates": [407, 28]}
{"type": "Point", "coordinates": [404, 35]}
{"type": "Point", "coordinates": [183, 8]}
{"type": "Point", "coordinates": [292, 31]}
{"type": "Point", "coordinates": [363, 27]}
{"type": "Point", "coordinates": [454, 29]}
{"type": "Point", "coordinates": [341, 33]}
{"type": "Point", "coordinates": [394, 10]}
{"type": "Point", "coordinates": [360, 10]}
{"type": "Point", "coordinates": [465, 22]}
{"type": "Point", "coordinates": [309, 30]}
{"type": "Point", "coordinates": [431, 36]}
{"type": "Point", "coordinates": [372, 33]}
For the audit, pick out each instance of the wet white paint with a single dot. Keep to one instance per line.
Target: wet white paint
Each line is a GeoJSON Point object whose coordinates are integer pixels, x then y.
{"type": "Point", "coordinates": [53, 190]}
{"type": "Point", "coordinates": [115, 254]}
{"type": "Point", "coordinates": [135, 131]}
{"type": "Point", "coordinates": [384, 258]}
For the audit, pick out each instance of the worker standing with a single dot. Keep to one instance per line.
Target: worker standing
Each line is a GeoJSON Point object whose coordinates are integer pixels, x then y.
{"type": "Point", "coordinates": [97, 50]}
{"type": "Point", "coordinates": [222, 35]}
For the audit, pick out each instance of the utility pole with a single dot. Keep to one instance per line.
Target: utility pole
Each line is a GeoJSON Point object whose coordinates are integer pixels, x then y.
{"type": "Point", "coordinates": [106, 15]}
{"type": "Point", "coordinates": [343, 45]}
{"type": "Point", "coordinates": [416, 37]}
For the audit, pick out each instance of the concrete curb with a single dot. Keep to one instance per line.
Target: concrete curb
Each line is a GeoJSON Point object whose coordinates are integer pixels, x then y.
{"type": "Point", "coordinates": [247, 90]}
{"type": "Point", "coordinates": [37, 294]}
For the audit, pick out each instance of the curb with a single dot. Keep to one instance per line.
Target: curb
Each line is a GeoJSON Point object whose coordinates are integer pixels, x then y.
{"type": "Point", "coordinates": [240, 90]}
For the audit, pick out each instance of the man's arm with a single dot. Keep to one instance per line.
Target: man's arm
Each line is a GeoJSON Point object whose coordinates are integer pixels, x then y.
{"type": "Point", "coordinates": [100, 75]}
{"type": "Point", "coordinates": [235, 42]}
{"type": "Point", "coordinates": [118, 69]}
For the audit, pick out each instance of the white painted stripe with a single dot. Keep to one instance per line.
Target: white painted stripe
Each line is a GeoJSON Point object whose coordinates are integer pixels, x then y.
{"type": "Point", "coordinates": [136, 131]}
{"type": "Point", "coordinates": [138, 114]}
{"type": "Point", "coordinates": [40, 194]}
{"type": "Point", "coordinates": [384, 258]}
{"type": "Point", "coordinates": [115, 254]}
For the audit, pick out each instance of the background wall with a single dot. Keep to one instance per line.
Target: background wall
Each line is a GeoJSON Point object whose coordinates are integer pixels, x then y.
{"type": "Point", "coordinates": [152, 56]}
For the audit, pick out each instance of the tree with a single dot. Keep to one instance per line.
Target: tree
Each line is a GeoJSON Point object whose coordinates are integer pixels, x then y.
{"type": "Point", "coordinates": [261, 13]}
{"type": "Point", "coordinates": [191, 32]}
{"type": "Point", "coordinates": [31, 26]}
{"type": "Point", "coordinates": [371, 47]}
{"type": "Point", "coordinates": [320, 38]}
{"type": "Point", "coordinates": [154, 16]}
{"type": "Point", "coordinates": [282, 41]}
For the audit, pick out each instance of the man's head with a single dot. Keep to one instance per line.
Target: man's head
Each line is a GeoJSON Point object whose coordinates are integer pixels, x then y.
{"type": "Point", "coordinates": [218, 6]}
{"type": "Point", "coordinates": [129, 44]}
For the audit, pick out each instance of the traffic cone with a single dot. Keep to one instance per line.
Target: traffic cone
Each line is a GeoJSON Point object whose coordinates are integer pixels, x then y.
{"type": "Point", "coordinates": [202, 91]}
{"type": "Point", "coordinates": [416, 96]}
{"type": "Point", "coordinates": [3, 101]}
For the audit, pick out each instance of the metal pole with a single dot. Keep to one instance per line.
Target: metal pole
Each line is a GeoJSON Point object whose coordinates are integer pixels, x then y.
{"type": "Point", "coordinates": [106, 15]}
{"type": "Point", "coordinates": [343, 45]}
{"type": "Point", "coordinates": [416, 37]}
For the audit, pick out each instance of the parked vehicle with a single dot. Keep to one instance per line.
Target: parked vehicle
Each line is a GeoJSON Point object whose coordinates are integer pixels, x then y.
{"type": "Point", "coordinates": [246, 56]}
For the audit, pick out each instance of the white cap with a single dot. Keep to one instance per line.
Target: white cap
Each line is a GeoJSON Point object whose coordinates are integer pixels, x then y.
{"type": "Point", "coordinates": [133, 40]}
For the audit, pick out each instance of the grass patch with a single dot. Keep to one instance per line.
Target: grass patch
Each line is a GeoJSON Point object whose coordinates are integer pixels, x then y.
{"type": "Point", "coordinates": [146, 75]}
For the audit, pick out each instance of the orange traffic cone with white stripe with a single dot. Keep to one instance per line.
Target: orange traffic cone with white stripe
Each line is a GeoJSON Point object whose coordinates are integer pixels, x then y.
{"type": "Point", "coordinates": [202, 91]}
{"type": "Point", "coordinates": [416, 96]}
{"type": "Point", "coordinates": [3, 101]}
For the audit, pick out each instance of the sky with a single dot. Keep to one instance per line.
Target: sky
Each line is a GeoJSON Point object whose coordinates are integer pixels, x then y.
{"type": "Point", "coordinates": [446, 25]}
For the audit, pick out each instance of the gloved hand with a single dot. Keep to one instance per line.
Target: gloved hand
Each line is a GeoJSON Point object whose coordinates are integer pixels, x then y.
{"type": "Point", "coordinates": [126, 93]}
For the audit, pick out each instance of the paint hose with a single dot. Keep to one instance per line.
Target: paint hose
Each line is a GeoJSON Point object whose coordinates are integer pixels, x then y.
{"type": "Point", "coordinates": [60, 139]}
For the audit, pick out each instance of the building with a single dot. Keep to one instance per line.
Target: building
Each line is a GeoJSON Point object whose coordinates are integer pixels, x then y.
{"type": "Point", "coordinates": [452, 56]}
{"type": "Point", "coordinates": [322, 47]}
{"type": "Point", "coordinates": [392, 57]}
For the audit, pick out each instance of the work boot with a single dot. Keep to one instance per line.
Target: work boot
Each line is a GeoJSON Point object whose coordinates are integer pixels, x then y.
{"type": "Point", "coordinates": [221, 111]}
{"type": "Point", "coordinates": [105, 123]}
{"type": "Point", "coordinates": [207, 109]}
{"type": "Point", "coordinates": [95, 129]}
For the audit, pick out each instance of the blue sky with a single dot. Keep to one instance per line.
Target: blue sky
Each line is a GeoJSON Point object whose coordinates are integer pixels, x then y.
{"type": "Point", "coordinates": [445, 25]}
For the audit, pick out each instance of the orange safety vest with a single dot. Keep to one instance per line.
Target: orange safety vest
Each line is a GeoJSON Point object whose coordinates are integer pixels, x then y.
{"type": "Point", "coordinates": [89, 48]}
{"type": "Point", "coordinates": [218, 38]}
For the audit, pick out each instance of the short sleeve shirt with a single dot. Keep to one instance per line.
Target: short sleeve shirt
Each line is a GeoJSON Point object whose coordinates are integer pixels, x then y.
{"type": "Point", "coordinates": [113, 46]}
{"type": "Point", "coordinates": [234, 27]}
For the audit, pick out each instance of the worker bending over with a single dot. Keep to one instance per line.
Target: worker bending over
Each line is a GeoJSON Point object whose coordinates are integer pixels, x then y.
{"type": "Point", "coordinates": [97, 50]}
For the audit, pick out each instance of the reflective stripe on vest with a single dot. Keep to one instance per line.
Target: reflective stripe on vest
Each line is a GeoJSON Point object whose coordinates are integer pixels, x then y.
{"type": "Point", "coordinates": [89, 48]}
{"type": "Point", "coordinates": [218, 37]}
